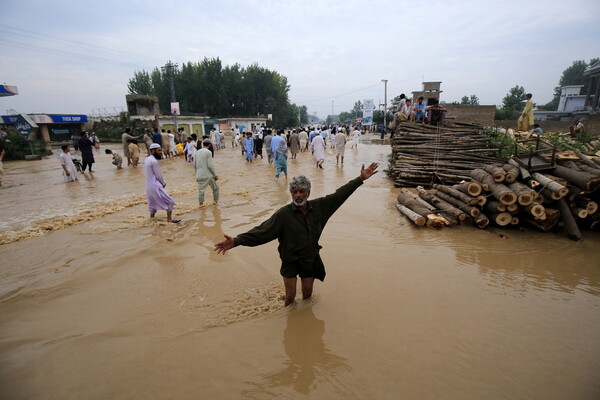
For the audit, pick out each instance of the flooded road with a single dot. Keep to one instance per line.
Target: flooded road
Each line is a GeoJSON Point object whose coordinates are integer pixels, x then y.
{"type": "Point", "coordinates": [99, 301]}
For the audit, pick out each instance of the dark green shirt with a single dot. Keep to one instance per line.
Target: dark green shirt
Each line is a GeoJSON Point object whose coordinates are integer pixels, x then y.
{"type": "Point", "coordinates": [299, 233]}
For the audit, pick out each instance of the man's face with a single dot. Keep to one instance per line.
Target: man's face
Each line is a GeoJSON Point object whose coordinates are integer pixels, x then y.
{"type": "Point", "coordinates": [300, 196]}
{"type": "Point", "coordinates": [157, 153]}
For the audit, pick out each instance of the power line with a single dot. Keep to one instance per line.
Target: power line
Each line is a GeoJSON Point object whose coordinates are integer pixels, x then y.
{"type": "Point", "coordinates": [339, 95]}
{"type": "Point", "coordinates": [87, 46]}
{"type": "Point", "coordinates": [79, 56]}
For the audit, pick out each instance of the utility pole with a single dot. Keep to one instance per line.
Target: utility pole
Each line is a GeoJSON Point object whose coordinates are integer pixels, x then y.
{"type": "Point", "coordinates": [384, 107]}
{"type": "Point", "coordinates": [169, 70]}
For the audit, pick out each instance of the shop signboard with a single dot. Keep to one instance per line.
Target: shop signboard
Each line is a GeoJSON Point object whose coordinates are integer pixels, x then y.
{"type": "Point", "coordinates": [24, 125]}
{"type": "Point", "coordinates": [368, 112]}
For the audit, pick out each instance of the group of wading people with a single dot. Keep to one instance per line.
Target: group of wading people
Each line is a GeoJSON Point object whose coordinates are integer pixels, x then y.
{"type": "Point", "coordinates": [297, 226]}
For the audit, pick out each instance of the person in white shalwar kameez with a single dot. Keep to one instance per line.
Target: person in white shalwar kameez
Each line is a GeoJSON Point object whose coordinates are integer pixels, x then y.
{"type": "Point", "coordinates": [69, 170]}
{"type": "Point", "coordinates": [318, 147]}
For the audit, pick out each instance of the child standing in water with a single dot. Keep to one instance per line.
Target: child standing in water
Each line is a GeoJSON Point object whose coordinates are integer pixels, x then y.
{"type": "Point", "coordinates": [69, 170]}
{"type": "Point", "coordinates": [117, 159]}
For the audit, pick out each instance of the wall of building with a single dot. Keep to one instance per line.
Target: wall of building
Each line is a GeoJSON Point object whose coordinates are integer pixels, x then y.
{"type": "Point", "coordinates": [467, 113]}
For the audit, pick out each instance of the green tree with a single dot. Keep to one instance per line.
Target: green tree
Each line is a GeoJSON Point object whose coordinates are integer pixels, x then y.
{"type": "Point", "coordinates": [161, 90]}
{"type": "Point", "coordinates": [346, 116]}
{"type": "Point", "coordinates": [378, 117]}
{"type": "Point", "coordinates": [357, 109]}
{"type": "Point", "coordinates": [572, 75]}
{"type": "Point", "coordinates": [473, 100]}
{"type": "Point", "coordinates": [514, 99]}
{"type": "Point", "coordinates": [303, 114]}
{"type": "Point", "coordinates": [209, 88]}
{"type": "Point", "coordinates": [140, 83]}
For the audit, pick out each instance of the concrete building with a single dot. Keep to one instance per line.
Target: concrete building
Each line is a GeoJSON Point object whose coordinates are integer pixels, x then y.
{"type": "Point", "coordinates": [431, 90]}
{"type": "Point", "coordinates": [571, 99]}
{"type": "Point", "coordinates": [50, 127]}
{"type": "Point", "coordinates": [138, 104]}
{"type": "Point", "coordinates": [202, 125]}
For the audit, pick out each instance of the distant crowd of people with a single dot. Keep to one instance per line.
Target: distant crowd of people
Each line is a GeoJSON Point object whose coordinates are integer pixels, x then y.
{"type": "Point", "coordinates": [159, 144]}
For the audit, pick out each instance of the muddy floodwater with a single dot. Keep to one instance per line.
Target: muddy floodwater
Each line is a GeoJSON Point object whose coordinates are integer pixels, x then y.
{"type": "Point", "coordinates": [97, 301]}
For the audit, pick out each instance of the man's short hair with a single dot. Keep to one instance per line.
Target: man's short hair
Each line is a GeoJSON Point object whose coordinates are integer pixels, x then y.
{"type": "Point", "coordinates": [206, 142]}
{"type": "Point", "coordinates": [301, 182]}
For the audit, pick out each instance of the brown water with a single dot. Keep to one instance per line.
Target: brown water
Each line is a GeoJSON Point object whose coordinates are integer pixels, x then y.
{"type": "Point", "coordinates": [99, 302]}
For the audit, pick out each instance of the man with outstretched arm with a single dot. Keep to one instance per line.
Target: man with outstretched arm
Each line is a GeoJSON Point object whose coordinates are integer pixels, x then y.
{"type": "Point", "coordinates": [298, 227]}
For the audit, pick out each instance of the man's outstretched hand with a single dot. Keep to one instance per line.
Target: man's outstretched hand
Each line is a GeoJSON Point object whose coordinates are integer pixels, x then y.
{"type": "Point", "coordinates": [225, 245]}
{"type": "Point", "coordinates": [366, 173]}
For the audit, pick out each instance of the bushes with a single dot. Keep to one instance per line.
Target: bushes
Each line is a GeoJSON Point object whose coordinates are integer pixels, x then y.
{"type": "Point", "coordinates": [17, 147]}
{"type": "Point", "coordinates": [112, 128]}
{"type": "Point", "coordinates": [502, 141]}
{"type": "Point", "coordinates": [502, 114]}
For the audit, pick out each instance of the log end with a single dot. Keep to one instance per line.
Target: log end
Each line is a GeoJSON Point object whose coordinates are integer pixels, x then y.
{"type": "Point", "coordinates": [502, 219]}
{"type": "Point", "coordinates": [525, 199]}
{"type": "Point", "coordinates": [508, 198]}
{"type": "Point", "coordinates": [474, 189]}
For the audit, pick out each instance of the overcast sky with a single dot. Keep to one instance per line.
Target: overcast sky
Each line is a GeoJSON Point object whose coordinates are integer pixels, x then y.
{"type": "Point", "coordinates": [74, 57]}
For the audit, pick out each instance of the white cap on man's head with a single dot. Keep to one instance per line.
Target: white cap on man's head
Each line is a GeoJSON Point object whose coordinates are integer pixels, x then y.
{"type": "Point", "coordinates": [154, 146]}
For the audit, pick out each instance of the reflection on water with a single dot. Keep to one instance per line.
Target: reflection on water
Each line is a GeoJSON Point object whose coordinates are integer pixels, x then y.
{"type": "Point", "coordinates": [309, 362]}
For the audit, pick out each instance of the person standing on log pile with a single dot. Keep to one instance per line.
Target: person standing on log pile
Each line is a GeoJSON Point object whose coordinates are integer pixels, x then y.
{"type": "Point", "coordinates": [298, 227]}
{"type": "Point", "coordinates": [526, 118]}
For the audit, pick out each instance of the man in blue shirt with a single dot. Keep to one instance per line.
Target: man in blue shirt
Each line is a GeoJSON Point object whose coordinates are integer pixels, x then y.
{"type": "Point", "coordinates": [419, 108]}
{"type": "Point", "coordinates": [275, 142]}
{"type": "Point", "coordinates": [157, 137]}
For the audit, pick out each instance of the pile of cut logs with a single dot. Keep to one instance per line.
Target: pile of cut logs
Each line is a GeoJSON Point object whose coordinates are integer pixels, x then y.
{"type": "Point", "coordinates": [427, 154]}
{"type": "Point", "coordinates": [508, 195]}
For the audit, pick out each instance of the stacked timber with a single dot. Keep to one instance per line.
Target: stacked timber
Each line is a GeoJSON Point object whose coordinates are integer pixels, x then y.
{"type": "Point", "coordinates": [508, 195]}
{"type": "Point", "coordinates": [427, 154]}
